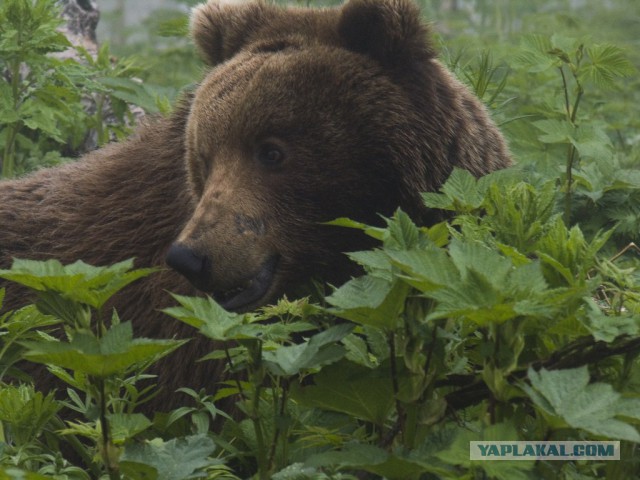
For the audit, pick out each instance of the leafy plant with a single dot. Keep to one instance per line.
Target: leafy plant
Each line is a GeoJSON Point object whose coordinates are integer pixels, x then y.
{"type": "Point", "coordinates": [516, 319]}
{"type": "Point", "coordinates": [597, 65]}
{"type": "Point", "coordinates": [42, 116]}
{"type": "Point", "coordinates": [103, 357]}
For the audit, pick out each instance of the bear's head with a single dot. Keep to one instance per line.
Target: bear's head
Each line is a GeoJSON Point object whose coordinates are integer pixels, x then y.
{"type": "Point", "coordinates": [306, 116]}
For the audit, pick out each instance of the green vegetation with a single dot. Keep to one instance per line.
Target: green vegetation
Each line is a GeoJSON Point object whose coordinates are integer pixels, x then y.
{"type": "Point", "coordinates": [517, 319]}
{"type": "Point", "coordinates": [43, 112]}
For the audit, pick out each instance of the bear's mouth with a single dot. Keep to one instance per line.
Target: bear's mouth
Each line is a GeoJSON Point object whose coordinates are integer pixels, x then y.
{"type": "Point", "coordinates": [249, 293]}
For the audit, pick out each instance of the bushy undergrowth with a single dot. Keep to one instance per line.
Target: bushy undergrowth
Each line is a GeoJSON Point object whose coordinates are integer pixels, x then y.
{"type": "Point", "coordinates": [516, 319]}
{"type": "Point", "coordinates": [50, 104]}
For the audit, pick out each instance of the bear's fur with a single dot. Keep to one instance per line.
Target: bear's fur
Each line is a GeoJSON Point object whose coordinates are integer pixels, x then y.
{"type": "Point", "coordinates": [307, 115]}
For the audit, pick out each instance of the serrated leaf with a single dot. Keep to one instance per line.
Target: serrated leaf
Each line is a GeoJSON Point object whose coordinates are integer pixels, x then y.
{"type": "Point", "coordinates": [458, 453]}
{"type": "Point", "coordinates": [321, 349]}
{"type": "Point", "coordinates": [375, 262]}
{"type": "Point", "coordinates": [130, 91]}
{"type": "Point", "coordinates": [567, 394]}
{"type": "Point", "coordinates": [124, 426]}
{"type": "Point", "coordinates": [461, 187]}
{"type": "Point", "coordinates": [607, 62]}
{"type": "Point", "coordinates": [607, 328]}
{"type": "Point", "coordinates": [592, 142]}
{"type": "Point", "coordinates": [175, 459]}
{"type": "Point", "coordinates": [555, 131]}
{"type": "Point", "coordinates": [402, 232]}
{"type": "Point", "coordinates": [78, 282]}
{"type": "Point", "coordinates": [474, 257]}
{"type": "Point", "coordinates": [438, 200]}
{"type": "Point", "coordinates": [426, 269]}
{"type": "Point", "coordinates": [351, 389]}
{"type": "Point", "coordinates": [207, 315]}
{"type": "Point", "coordinates": [370, 300]}
{"type": "Point", "coordinates": [357, 351]}
{"type": "Point", "coordinates": [534, 54]}
{"type": "Point", "coordinates": [115, 353]}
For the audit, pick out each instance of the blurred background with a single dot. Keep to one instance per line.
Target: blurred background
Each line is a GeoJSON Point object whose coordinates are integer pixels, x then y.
{"type": "Point", "coordinates": [469, 33]}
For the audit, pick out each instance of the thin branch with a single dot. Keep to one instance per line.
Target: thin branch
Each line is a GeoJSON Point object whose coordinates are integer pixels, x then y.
{"type": "Point", "coordinates": [581, 352]}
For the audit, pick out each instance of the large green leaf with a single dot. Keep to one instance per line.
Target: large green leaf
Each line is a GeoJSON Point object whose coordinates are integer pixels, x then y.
{"type": "Point", "coordinates": [12, 473]}
{"type": "Point", "coordinates": [351, 389]}
{"type": "Point", "coordinates": [207, 315]}
{"type": "Point", "coordinates": [607, 327]}
{"type": "Point", "coordinates": [124, 426]}
{"type": "Point", "coordinates": [115, 352]}
{"type": "Point", "coordinates": [321, 349]}
{"type": "Point", "coordinates": [568, 396]}
{"type": "Point", "coordinates": [426, 269]}
{"type": "Point", "coordinates": [175, 459]}
{"type": "Point", "coordinates": [78, 282]}
{"type": "Point", "coordinates": [459, 193]}
{"type": "Point", "coordinates": [607, 63]}
{"type": "Point", "coordinates": [458, 452]}
{"type": "Point", "coordinates": [370, 300]}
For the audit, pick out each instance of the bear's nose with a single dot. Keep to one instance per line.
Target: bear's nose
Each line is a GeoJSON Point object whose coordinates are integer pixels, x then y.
{"type": "Point", "coordinates": [189, 263]}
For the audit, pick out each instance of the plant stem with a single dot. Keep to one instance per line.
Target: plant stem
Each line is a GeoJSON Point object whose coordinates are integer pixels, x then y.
{"type": "Point", "coordinates": [569, 182]}
{"type": "Point", "coordinates": [278, 430]}
{"type": "Point", "coordinates": [106, 437]}
{"type": "Point", "coordinates": [256, 378]}
{"type": "Point", "coordinates": [571, 113]}
{"type": "Point", "coordinates": [99, 116]}
{"type": "Point", "coordinates": [237, 380]}
{"type": "Point", "coordinates": [394, 378]}
{"type": "Point", "coordinates": [8, 157]}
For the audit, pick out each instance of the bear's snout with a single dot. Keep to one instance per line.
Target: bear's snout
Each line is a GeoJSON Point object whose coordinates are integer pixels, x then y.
{"type": "Point", "coordinates": [192, 265]}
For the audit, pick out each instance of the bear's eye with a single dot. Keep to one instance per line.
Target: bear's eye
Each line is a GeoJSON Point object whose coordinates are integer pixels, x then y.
{"type": "Point", "coordinates": [270, 155]}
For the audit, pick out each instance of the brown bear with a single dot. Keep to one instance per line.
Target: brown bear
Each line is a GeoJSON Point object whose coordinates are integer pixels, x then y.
{"type": "Point", "coordinates": [305, 116]}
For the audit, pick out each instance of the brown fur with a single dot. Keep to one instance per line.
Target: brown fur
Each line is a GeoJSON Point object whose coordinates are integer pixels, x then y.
{"type": "Point", "coordinates": [365, 115]}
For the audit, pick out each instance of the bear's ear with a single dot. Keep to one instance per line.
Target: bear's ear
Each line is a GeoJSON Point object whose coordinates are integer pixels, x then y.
{"type": "Point", "coordinates": [390, 31]}
{"type": "Point", "coordinates": [220, 28]}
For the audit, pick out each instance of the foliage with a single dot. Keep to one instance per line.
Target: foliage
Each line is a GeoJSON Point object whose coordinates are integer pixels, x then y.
{"type": "Point", "coordinates": [43, 112]}
{"type": "Point", "coordinates": [518, 318]}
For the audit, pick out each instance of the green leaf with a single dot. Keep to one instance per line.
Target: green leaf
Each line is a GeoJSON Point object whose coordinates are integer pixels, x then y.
{"type": "Point", "coordinates": [26, 411]}
{"type": "Point", "coordinates": [351, 389]}
{"type": "Point", "coordinates": [402, 232]}
{"type": "Point", "coordinates": [607, 328]}
{"type": "Point", "coordinates": [12, 473]}
{"type": "Point", "coordinates": [77, 282]}
{"type": "Point", "coordinates": [176, 459]}
{"type": "Point", "coordinates": [534, 54]}
{"type": "Point", "coordinates": [458, 453]}
{"type": "Point", "coordinates": [471, 257]}
{"type": "Point", "coordinates": [115, 353]}
{"type": "Point", "coordinates": [124, 426]}
{"type": "Point", "coordinates": [373, 232]}
{"type": "Point", "coordinates": [207, 315]}
{"type": "Point", "coordinates": [567, 395]}
{"type": "Point", "coordinates": [555, 131]}
{"type": "Point", "coordinates": [607, 62]}
{"type": "Point", "coordinates": [357, 351]}
{"type": "Point", "coordinates": [350, 455]}
{"type": "Point", "coordinates": [370, 300]}
{"type": "Point", "coordinates": [319, 350]}
{"type": "Point", "coordinates": [592, 141]}
{"type": "Point", "coordinates": [460, 193]}
{"type": "Point", "coordinates": [375, 262]}
{"type": "Point", "coordinates": [426, 269]}
{"type": "Point", "coordinates": [130, 91]}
